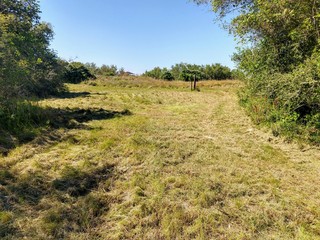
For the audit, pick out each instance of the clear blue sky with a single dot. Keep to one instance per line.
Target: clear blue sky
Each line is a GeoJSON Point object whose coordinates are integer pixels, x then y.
{"type": "Point", "coordinates": [137, 34]}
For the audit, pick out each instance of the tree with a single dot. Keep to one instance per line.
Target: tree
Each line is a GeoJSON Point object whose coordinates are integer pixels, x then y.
{"type": "Point", "coordinates": [107, 71]}
{"type": "Point", "coordinates": [121, 72]}
{"type": "Point", "coordinates": [217, 72]}
{"type": "Point", "coordinates": [28, 67]}
{"type": "Point", "coordinates": [77, 72]}
{"type": "Point", "coordinates": [182, 71]}
{"type": "Point", "coordinates": [92, 67]}
{"type": "Point", "coordinates": [191, 75]}
{"type": "Point", "coordinates": [154, 73]}
{"type": "Point", "coordinates": [167, 75]}
{"type": "Point", "coordinates": [177, 69]}
{"type": "Point", "coordinates": [282, 33]}
{"type": "Point", "coordinates": [279, 56]}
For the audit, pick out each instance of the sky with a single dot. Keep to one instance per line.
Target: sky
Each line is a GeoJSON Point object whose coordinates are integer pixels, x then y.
{"type": "Point", "coordinates": [137, 35]}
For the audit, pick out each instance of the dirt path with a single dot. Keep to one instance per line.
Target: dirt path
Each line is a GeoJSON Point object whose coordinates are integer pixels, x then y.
{"type": "Point", "coordinates": [181, 166]}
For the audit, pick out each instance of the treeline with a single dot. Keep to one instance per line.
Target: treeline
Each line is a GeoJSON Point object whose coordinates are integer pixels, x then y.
{"type": "Point", "coordinates": [187, 72]}
{"type": "Point", "coordinates": [106, 70]}
{"type": "Point", "coordinates": [76, 72]}
{"type": "Point", "coordinates": [280, 56]}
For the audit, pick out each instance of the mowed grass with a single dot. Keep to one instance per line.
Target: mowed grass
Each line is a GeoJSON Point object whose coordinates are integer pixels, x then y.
{"type": "Point", "coordinates": [168, 164]}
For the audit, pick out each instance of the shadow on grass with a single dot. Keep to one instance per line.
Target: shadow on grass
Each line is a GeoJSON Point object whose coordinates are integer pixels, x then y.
{"type": "Point", "coordinates": [29, 189]}
{"type": "Point", "coordinates": [75, 190]}
{"type": "Point", "coordinates": [74, 118]}
{"type": "Point", "coordinates": [17, 193]}
{"type": "Point", "coordinates": [78, 183]}
{"type": "Point", "coordinates": [67, 95]}
{"type": "Point", "coordinates": [22, 193]}
{"type": "Point", "coordinates": [35, 121]}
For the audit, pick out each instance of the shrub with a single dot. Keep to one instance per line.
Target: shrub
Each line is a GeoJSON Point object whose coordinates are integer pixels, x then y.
{"type": "Point", "coordinates": [167, 76]}
{"type": "Point", "coordinates": [289, 102]}
{"type": "Point", "coordinates": [76, 72]}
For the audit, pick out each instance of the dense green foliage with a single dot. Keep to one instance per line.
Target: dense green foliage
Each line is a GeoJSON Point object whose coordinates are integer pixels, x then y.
{"type": "Point", "coordinates": [28, 67]}
{"type": "Point", "coordinates": [279, 54]}
{"type": "Point", "coordinates": [167, 75]}
{"type": "Point", "coordinates": [105, 70]}
{"type": "Point", "coordinates": [76, 72]}
{"type": "Point", "coordinates": [187, 72]}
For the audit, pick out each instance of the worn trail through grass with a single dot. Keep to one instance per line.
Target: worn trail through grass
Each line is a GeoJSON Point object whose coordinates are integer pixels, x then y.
{"type": "Point", "coordinates": [181, 165]}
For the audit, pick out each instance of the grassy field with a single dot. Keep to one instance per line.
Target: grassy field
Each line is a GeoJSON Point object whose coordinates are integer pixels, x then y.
{"type": "Point", "coordinates": [143, 159]}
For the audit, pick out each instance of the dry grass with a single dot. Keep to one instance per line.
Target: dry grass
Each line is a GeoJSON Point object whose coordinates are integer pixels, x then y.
{"type": "Point", "coordinates": [182, 165]}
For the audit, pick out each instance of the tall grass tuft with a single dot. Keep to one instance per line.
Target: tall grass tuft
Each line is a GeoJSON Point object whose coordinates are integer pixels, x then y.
{"type": "Point", "coordinates": [20, 119]}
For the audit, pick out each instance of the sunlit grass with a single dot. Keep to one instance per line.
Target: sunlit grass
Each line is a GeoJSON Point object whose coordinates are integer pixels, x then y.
{"type": "Point", "coordinates": [181, 165]}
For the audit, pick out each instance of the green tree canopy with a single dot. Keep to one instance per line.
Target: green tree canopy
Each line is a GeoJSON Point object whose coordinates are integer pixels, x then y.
{"type": "Point", "coordinates": [282, 34]}
{"type": "Point", "coordinates": [183, 71]}
{"type": "Point", "coordinates": [27, 65]}
{"type": "Point", "coordinates": [76, 72]}
{"type": "Point", "coordinates": [279, 54]}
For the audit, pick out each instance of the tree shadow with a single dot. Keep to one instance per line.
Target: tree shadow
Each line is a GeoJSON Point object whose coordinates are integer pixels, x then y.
{"type": "Point", "coordinates": [74, 118]}
{"type": "Point", "coordinates": [29, 189]}
{"type": "Point", "coordinates": [79, 183]}
{"type": "Point", "coordinates": [43, 122]}
{"type": "Point", "coordinates": [23, 194]}
{"type": "Point", "coordinates": [68, 95]}
{"type": "Point", "coordinates": [23, 190]}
